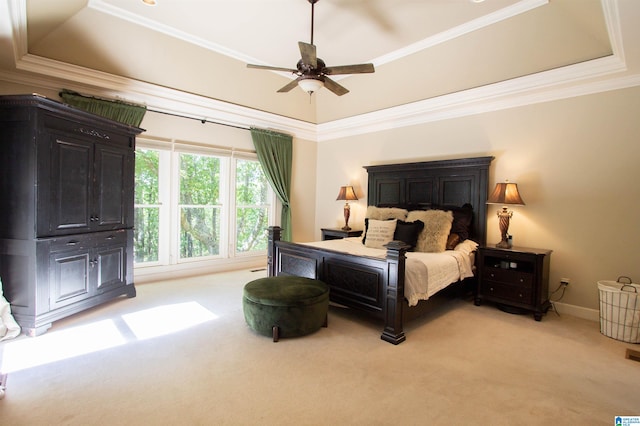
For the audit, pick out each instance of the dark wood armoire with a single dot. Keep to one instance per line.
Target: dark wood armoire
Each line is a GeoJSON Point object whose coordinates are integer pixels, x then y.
{"type": "Point", "coordinates": [66, 209]}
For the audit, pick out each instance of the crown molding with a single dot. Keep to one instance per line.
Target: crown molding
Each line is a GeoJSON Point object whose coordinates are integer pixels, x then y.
{"type": "Point", "coordinates": [575, 80]}
{"type": "Point", "coordinates": [508, 12]}
{"type": "Point", "coordinates": [52, 75]}
{"type": "Point", "coordinates": [468, 27]}
{"type": "Point", "coordinates": [570, 81]}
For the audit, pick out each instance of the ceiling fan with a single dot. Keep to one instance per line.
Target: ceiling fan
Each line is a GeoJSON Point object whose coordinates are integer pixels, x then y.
{"type": "Point", "coordinates": [312, 72]}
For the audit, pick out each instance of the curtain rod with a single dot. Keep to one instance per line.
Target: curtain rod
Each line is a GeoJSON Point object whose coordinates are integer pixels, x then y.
{"type": "Point", "coordinates": [202, 120]}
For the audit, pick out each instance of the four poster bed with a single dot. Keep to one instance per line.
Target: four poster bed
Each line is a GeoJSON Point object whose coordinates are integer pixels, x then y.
{"type": "Point", "coordinates": [393, 280]}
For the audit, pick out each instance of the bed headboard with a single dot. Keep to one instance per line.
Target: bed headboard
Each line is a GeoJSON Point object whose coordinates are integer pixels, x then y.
{"type": "Point", "coordinates": [434, 184]}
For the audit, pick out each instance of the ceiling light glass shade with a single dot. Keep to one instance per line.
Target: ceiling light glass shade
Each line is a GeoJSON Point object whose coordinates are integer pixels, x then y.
{"type": "Point", "coordinates": [310, 85]}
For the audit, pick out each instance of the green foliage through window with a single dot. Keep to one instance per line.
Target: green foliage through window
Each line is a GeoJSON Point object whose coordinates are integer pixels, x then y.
{"type": "Point", "coordinates": [147, 210]}
{"type": "Point", "coordinates": [199, 190]}
{"type": "Point", "coordinates": [252, 209]}
{"type": "Point", "coordinates": [199, 206]}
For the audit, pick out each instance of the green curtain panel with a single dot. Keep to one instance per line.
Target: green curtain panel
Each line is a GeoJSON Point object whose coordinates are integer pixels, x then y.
{"type": "Point", "coordinates": [275, 155]}
{"type": "Point", "coordinates": [115, 110]}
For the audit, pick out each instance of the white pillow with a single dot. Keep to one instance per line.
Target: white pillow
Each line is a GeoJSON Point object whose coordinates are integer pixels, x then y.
{"type": "Point", "coordinates": [467, 246]}
{"type": "Point", "coordinates": [437, 225]}
{"type": "Point", "coordinates": [379, 233]}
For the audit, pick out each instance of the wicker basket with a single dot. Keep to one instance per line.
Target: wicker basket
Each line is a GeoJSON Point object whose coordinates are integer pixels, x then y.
{"type": "Point", "coordinates": [620, 309]}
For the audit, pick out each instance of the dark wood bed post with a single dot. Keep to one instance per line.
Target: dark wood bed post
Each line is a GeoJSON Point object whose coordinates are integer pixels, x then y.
{"type": "Point", "coordinates": [394, 301]}
{"type": "Point", "coordinates": [274, 235]}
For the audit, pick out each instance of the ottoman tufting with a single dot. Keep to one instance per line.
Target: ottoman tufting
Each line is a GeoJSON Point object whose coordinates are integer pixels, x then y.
{"type": "Point", "coordinates": [285, 306]}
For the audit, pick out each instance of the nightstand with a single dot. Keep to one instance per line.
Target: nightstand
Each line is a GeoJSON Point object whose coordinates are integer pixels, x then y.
{"type": "Point", "coordinates": [517, 279]}
{"type": "Point", "coordinates": [337, 233]}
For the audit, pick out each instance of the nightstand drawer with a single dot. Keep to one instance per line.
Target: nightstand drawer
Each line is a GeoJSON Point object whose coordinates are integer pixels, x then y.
{"type": "Point", "coordinates": [510, 276]}
{"type": "Point", "coordinates": [507, 292]}
{"type": "Point", "coordinates": [516, 278]}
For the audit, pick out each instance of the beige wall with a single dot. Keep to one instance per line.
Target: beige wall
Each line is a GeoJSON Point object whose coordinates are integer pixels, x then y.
{"type": "Point", "coordinates": [576, 164]}
{"type": "Point", "coordinates": [574, 160]}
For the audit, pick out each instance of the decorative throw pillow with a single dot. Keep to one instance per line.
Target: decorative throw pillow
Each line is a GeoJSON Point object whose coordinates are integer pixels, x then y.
{"type": "Point", "coordinates": [437, 224]}
{"type": "Point", "coordinates": [452, 241]}
{"type": "Point", "coordinates": [384, 213]}
{"type": "Point", "coordinates": [408, 232]}
{"type": "Point", "coordinates": [379, 232]}
{"type": "Point", "coordinates": [462, 218]}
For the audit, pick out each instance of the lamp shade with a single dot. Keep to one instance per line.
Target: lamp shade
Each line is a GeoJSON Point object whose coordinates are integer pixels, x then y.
{"type": "Point", "coordinates": [346, 193]}
{"type": "Point", "coordinates": [505, 193]}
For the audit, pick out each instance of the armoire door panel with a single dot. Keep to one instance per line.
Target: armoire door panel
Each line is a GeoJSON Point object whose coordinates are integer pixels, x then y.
{"type": "Point", "coordinates": [71, 186]}
{"type": "Point", "coordinates": [69, 278]}
{"type": "Point", "coordinates": [111, 197]}
{"type": "Point", "coordinates": [110, 263]}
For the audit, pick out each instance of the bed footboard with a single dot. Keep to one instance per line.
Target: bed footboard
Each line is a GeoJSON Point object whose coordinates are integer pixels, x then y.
{"type": "Point", "coordinates": [372, 285]}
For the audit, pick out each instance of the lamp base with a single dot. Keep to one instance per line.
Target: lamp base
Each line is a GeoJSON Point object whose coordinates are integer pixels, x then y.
{"type": "Point", "coordinates": [346, 228]}
{"type": "Point", "coordinates": [503, 244]}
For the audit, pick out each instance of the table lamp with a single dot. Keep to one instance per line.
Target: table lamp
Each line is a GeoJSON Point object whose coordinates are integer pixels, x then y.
{"type": "Point", "coordinates": [347, 194]}
{"type": "Point", "coordinates": [505, 193]}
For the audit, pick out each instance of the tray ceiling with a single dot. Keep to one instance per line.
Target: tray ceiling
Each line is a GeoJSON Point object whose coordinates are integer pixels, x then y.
{"type": "Point", "coordinates": [421, 49]}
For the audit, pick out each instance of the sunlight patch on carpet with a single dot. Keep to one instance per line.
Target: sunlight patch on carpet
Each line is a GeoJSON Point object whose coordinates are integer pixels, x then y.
{"type": "Point", "coordinates": [167, 319]}
{"type": "Point", "coordinates": [58, 345]}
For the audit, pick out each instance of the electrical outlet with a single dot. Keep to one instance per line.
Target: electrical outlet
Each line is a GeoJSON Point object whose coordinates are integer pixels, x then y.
{"type": "Point", "coordinates": [565, 281]}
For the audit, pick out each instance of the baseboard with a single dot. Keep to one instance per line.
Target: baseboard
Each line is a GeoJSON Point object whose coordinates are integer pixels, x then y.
{"type": "Point", "coordinates": [147, 275]}
{"type": "Point", "coordinates": [577, 311]}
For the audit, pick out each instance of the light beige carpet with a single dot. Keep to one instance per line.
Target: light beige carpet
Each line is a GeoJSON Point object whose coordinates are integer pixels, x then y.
{"type": "Point", "coordinates": [460, 365]}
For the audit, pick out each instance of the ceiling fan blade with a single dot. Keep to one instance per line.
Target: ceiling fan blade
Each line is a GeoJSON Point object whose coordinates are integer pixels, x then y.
{"type": "Point", "coordinates": [268, 67]}
{"type": "Point", "coordinates": [349, 69]}
{"type": "Point", "coordinates": [335, 87]}
{"type": "Point", "coordinates": [308, 54]}
{"type": "Point", "coordinates": [289, 86]}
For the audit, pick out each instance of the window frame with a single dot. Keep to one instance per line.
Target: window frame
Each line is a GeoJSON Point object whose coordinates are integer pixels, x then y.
{"type": "Point", "coordinates": [168, 194]}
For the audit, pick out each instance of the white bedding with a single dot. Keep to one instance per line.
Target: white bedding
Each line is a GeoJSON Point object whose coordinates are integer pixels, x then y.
{"type": "Point", "coordinates": [425, 273]}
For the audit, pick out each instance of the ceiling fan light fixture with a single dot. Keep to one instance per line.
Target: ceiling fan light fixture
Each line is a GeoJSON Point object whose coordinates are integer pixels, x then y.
{"type": "Point", "coordinates": [310, 85]}
{"type": "Point", "coordinates": [149, 2]}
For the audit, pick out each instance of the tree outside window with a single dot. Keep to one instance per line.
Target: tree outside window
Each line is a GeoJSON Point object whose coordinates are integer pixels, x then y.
{"type": "Point", "coordinates": [147, 207]}
{"type": "Point", "coordinates": [252, 207]}
{"type": "Point", "coordinates": [187, 213]}
{"type": "Point", "coordinates": [199, 205]}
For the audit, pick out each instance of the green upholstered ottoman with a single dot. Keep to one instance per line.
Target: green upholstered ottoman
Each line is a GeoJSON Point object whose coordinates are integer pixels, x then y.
{"type": "Point", "coordinates": [285, 306]}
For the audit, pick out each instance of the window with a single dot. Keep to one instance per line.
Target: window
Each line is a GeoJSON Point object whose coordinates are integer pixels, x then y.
{"type": "Point", "coordinates": [147, 207]}
{"type": "Point", "coordinates": [200, 207]}
{"type": "Point", "coordinates": [252, 207]}
{"type": "Point", "coordinates": [199, 204]}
